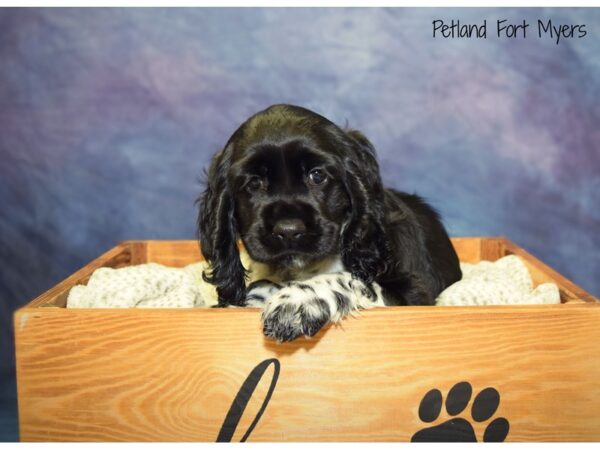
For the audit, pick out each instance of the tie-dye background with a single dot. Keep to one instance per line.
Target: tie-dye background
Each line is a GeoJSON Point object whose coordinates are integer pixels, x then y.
{"type": "Point", "coordinates": [107, 117]}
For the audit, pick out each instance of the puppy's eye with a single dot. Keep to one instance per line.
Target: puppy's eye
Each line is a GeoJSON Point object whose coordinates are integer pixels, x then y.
{"type": "Point", "coordinates": [316, 177]}
{"type": "Point", "coordinates": [254, 184]}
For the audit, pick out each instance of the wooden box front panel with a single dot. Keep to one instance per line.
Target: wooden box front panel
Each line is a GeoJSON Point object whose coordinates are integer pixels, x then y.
{"type": "Point", "coordinates": [173, 374]}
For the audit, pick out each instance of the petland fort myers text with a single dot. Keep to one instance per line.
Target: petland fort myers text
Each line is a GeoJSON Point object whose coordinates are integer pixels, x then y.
{"type": "Point", "coordinates": [542, 29]}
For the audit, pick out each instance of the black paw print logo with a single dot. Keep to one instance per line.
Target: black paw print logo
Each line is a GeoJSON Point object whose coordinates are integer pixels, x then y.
{"type": "Point", "coordinates": [458, 429]}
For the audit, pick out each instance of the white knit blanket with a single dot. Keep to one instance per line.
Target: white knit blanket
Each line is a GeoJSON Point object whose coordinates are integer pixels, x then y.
{"type": "Point", "coordinates": [505, 281]}
{"type": "Point", "coordinates": [142, 286]}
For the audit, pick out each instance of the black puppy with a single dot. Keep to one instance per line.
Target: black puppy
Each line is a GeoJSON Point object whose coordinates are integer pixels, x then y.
{"type": "Point", "coordinates": [306, 198]}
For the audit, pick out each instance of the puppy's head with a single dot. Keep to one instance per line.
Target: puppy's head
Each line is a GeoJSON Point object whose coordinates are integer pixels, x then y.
{"type": "Point", "coordinates": [295, 188]}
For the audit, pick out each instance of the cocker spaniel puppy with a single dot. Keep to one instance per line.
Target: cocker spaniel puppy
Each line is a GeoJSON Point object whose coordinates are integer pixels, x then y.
{"type": "Point", "coordinates": [306, 199]}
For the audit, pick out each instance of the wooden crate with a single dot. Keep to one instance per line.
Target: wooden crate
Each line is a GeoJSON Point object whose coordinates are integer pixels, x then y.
{"type": "Point", "coordinates": [208, 374]}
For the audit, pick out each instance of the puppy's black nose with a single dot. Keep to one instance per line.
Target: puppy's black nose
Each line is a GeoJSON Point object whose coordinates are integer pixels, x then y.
{"type": "Point", "coordinates": [289, 229]}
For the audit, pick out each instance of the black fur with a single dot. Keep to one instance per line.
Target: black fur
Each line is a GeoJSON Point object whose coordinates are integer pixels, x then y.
{"type": "Point", "coordinates": [342, 302]}
{"type": "Point", "coordinates": [262, 176]}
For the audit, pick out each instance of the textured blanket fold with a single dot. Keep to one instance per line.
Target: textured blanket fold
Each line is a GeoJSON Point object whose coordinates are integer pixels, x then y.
{"type": "Point", "coordinates": [142, 286]}
{"type": "Point", "coordinates": [505, 281]}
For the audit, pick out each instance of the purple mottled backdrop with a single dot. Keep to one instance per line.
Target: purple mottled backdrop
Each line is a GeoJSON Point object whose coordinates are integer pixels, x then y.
{"type": "Point", "coordinates": [107, 117]}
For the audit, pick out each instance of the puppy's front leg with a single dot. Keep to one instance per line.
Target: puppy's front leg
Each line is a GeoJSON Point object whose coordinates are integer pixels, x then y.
{"type": "Point", "coordinates": [302, 308]}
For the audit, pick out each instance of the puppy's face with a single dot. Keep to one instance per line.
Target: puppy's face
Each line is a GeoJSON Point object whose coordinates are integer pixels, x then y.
{"type": "Point", "coordinates": [286, 177]}
{"type": "Point", "coordinates": [296, 188]}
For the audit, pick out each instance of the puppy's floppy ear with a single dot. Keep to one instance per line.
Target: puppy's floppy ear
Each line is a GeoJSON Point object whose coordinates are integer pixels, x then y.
{"type": "Point", "coordinates": [217, 234]}
{"type": "Point", "coordinates": [365, 249]}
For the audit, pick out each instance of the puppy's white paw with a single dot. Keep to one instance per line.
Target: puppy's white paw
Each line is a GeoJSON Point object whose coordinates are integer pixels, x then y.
{"type": "Point", "coordinates": [295, 310]}
{"type": "Point", "coordinates": [259, 291]}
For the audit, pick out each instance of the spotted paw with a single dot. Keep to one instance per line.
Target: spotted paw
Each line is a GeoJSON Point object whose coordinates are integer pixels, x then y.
{"type": "Point", "coordinates": [459, 429]}
{"type": "Point", "coordinates": [259, 291]}
{"type": "Point", "coordinates": [295, 310]}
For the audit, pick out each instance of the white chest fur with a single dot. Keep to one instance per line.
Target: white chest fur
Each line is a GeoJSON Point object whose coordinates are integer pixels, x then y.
{"type": "Point", "coordinates": [298, 271]}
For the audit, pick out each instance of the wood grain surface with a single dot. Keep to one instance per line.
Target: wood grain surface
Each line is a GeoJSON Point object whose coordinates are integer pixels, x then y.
{"type": "Point", "coordinates": [172, 374]}
{"type": "Point", "coordinates": [156, 375]}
